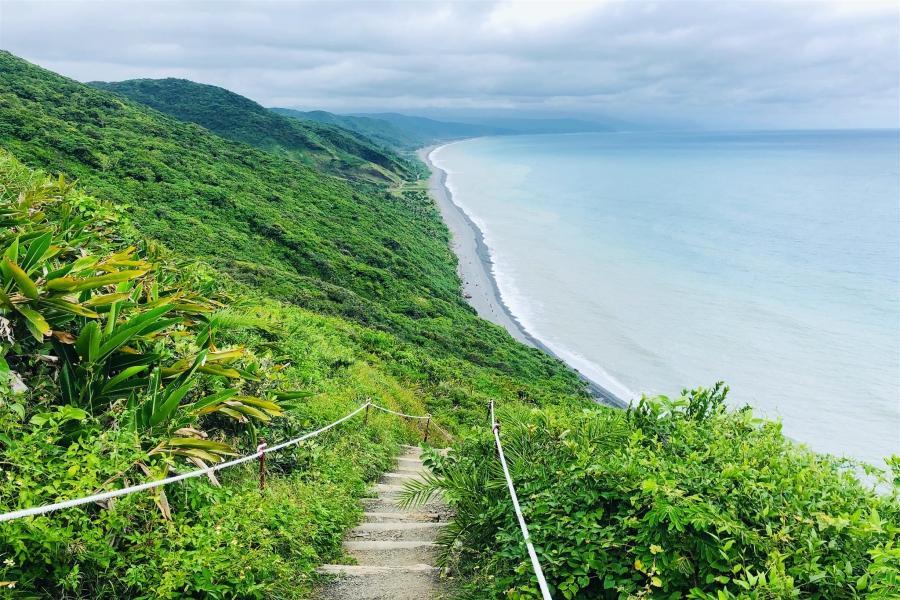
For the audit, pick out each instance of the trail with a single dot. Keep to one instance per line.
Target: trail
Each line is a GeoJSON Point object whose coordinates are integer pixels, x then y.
{"type": "Point", "coordinates": [394, 547]}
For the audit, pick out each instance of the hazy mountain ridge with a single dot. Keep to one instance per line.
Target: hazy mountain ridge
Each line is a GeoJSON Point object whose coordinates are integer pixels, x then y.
{"type": "Point", "coordinates": [235, 117]}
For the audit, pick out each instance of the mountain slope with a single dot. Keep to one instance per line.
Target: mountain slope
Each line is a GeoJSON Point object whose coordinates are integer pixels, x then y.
{"type": "Point", "coordinates": [238, 118]}
{"type": "Point", "coordinates": [401, 132]}
{"type": "Point", "coordinates": [349, 249]}
{"type": "Point", "coordinates": [384, 133]}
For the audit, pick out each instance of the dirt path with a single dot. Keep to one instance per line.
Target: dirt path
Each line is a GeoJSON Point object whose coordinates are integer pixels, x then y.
{"type": "Point", "coordinates": [394, 547]}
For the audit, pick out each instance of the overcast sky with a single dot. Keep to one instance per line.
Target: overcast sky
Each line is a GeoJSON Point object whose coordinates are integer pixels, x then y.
{"type": "Point", "coordinates": [740, 63]}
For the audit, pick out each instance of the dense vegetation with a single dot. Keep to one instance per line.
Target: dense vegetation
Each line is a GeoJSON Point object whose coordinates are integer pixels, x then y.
{"type": "Point", "coordinates": [121, 363]}
{"type": "Point", "coordinates": [351, 249]}
{"type": "Point", "coordinates": [237, 118]}
{"type": "Point", "coordinates": [401, 132]}
{"type": "Point", "coordinates": [241, 278]}
{"type": "Point", "coordinates": [673, 499]}
{"type": "Point", "coordinates": [387, 134]}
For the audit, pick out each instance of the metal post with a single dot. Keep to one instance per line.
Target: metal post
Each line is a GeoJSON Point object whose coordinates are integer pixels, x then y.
{"type": "Point", "coordinates": [262, 463]}
{"type": "Point", "coordinates": [427, 426]}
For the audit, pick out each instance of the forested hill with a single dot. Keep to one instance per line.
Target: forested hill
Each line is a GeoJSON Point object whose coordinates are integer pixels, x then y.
{"type": "Point", "coordinates": [346, 248]}
{"type": "Point", "coordinates": [401, 132]}
{"type": "Point", "coordinates": [238, 118]}
{"type": "Point", "coordinates": [378, 130]}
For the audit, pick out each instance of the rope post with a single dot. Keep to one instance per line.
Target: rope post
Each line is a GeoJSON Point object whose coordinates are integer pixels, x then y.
{"type": "Point", "coordinates": [262, 463]}
{"type": "Point", "coordinates": [427, 426]}
{"type": "Point", "coordinates": [366, 420]}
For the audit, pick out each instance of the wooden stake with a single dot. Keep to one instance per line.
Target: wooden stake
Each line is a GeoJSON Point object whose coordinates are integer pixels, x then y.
{"type": "Point", "coordinates": [262, 463]}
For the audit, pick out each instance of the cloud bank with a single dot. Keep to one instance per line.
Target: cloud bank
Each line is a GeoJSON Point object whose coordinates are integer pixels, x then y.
{"type": "Point", "coordinates": [717, 64]}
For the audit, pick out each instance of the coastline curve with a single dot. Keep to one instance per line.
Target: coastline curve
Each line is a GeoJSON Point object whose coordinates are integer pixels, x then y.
{"type": "Point", "coordinates": [476, 272]}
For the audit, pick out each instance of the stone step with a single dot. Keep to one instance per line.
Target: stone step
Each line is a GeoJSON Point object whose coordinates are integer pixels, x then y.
{"type": "Point", "coordinates": [410, 463]}
{"type": "Point", "coordinates": [387, 489]}
{"type": "Point", "coordinates": [401, 517]}
{"type": "Point", "coordinates": [397, 553]}
{"type": "Point", "coordinates": [411, 532]}
{"type": "Point", "coordinates": [389, 505]}
{"type": "Point", "coordinates": [361, 582]}
{"type": "Point", "coordinates": [401, 477]}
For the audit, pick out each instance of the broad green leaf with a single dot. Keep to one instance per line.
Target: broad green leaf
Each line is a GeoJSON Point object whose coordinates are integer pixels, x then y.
{"type": "Point", "coordinates": [36, 251]}
{"type": "Point", "coordinates": [36, 323]}
{"type": "Point", "coordinates": [23, 282]}
{"type": "Point", "coordinates": [105, 299]}
{"type": "Point", "coordinates": [74, 284]}
{"type": "Point", "coordinates": [88, 343]}
{"type": "Point", "coordinates": [220, 371]}
{"type": "Point", "coordinates": [70, 307]}
{"type": "Point", "coordinates": [200, 405]}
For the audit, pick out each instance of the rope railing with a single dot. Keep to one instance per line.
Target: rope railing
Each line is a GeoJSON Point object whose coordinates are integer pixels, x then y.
{"type": "Point", "coordinates": [260, 453]}
{"type": "Point", "coordinates": [426, 418]}
{"type": "Point", "coordinates": [535, 564]}
{"type": "Point", "coordinates": [400, 414]}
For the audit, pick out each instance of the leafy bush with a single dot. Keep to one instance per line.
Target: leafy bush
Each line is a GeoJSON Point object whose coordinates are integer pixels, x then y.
{"type": "Point", "coordinates": [120, 365]}
{"type": "Point", "coordinates": [676, 498]}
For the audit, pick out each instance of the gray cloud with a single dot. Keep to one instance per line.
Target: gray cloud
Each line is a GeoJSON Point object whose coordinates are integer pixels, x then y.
{"type": "Point", "coordinates": [721, 63]}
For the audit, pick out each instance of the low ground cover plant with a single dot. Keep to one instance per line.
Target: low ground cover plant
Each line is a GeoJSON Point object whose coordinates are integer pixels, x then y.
{"type": "Point", "coordinates": [676, 498]}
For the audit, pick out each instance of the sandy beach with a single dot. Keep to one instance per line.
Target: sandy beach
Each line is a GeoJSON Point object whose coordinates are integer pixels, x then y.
{"type": "Point", "coordinates": [475, 269]}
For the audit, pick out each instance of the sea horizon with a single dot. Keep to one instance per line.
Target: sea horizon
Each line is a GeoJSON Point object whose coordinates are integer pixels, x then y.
{"type": "Point", "coordinates": [525, 307]}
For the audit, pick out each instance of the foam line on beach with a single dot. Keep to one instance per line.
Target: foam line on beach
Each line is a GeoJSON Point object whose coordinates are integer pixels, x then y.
{"type": "Point", "coordinates": [482, 283]}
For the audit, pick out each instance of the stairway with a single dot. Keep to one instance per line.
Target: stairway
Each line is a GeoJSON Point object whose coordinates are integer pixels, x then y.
{"type": "Point", "coordinates": [394, 547]}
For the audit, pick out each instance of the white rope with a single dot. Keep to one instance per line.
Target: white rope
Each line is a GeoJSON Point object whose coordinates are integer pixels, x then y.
{"type": "Point", "coordinates": [260, 450]}
{"type": "Point", "coordinates": [400, 414]}
{"type": "Point", "coordinates": [542, 582]}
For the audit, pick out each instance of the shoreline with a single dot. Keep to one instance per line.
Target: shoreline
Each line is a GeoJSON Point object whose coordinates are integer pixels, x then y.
{"type": "Point", "coordinates": [475, 270]}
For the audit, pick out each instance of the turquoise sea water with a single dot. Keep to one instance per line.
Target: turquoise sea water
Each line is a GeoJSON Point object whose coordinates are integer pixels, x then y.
{"type": "Point", "coordinates": [652, 262]}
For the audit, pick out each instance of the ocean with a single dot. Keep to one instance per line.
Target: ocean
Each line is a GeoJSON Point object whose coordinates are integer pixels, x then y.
{"type": "Point", "coordinates": [653, 262]}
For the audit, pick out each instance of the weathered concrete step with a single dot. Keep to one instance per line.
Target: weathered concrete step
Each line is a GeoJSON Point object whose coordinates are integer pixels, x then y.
{"type": "Point", "coordinates": [401, 478]}
{"type": "Point", "coordinates": [410, 463]}
{"type": "Point", "coordinates": [375, 569]}
{"type": "Point", "coordinates": [412, 532]}
{"type": "Point", "coordinates": [389, 505]}
{"type": "Point", "coordinates": [388, 489]}
{"type": "Point", "coordinates": [402, 469]}
{"type": "Point", "coordinates": [398, 553]}
{"type": "Point", "coordinates": [401, 517]}
{"type": "Point", "coordinates": [360, 582]}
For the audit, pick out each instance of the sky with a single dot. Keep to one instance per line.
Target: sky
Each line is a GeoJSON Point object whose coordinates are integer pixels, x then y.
{"type": "Point", "coordinates": [721, 64]}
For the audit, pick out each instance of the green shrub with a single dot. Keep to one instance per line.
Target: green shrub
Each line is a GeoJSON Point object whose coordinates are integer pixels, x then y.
{"type": "Point", "coordinates": [676, 498]}
{"type": "Point", "coordinates": [121, 365]}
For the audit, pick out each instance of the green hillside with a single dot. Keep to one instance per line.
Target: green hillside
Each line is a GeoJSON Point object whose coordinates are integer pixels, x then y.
{"type": "Point", "coordinates": [194, 292]}
{"type": "Point", "coordinates": [350, 249]}
{"type": "Point", "coordinates": [384, 133]}
{"type": "Point", "coordinates": [331, 285]}
{"type": "Point", "coordinates": [238, 118]}
{"type": "Point", "coordinates": [401, 132]}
